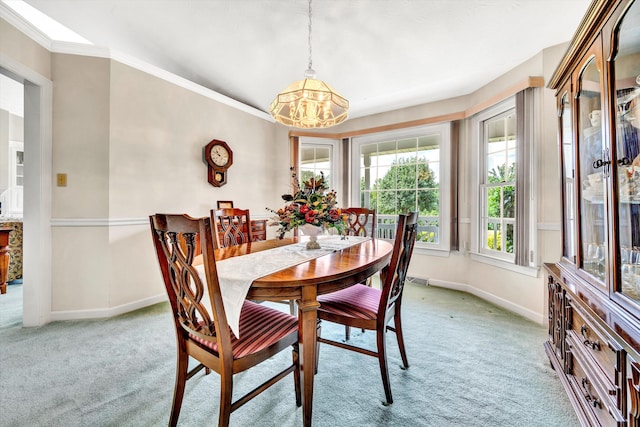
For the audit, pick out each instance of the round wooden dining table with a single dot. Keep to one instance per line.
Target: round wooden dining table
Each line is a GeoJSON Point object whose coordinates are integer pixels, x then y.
{"type": "Point", "coordinates": [304, 282]}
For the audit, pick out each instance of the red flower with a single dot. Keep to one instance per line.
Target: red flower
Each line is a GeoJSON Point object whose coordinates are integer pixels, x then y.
{"type": "Point", "coordinates": [310, 216]}
{"type": "Point", "coordinates": [304, 209]}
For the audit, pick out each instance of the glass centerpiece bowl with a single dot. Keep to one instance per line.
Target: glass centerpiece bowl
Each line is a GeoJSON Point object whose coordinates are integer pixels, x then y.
{"type": "Point", "coordinates": [310, 208]}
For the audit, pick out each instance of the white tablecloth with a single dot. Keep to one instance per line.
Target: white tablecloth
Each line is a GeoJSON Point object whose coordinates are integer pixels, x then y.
{"type": "Point", "coordinates": [236, 274]}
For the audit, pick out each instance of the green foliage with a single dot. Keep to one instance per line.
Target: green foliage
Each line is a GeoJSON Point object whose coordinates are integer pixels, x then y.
{"type": "Point", "coordinates": [491, 241]}
{"type": "Point", "coordinates": [396, 191]}
{"type": "Point", "coordinates": [497, 194]}
{"type": "Point", "coordinates": [496, 244]}
{"type": "Point", "coordinates": [501, 203]}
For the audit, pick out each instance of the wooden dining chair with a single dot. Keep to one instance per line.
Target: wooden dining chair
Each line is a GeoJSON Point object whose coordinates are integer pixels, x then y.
{"type": "Point", "coordinates": [233, 226]}
{"type": "Point", "coordinates": [360, 306]}
{"type": "Point", "coordinates": [361, 221]}
{"type": "Point", "coordinates": [202, 331]}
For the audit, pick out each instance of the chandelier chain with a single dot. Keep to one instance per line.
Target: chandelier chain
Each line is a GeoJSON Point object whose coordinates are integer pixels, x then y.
{"type": "Point", "coordinates": [310, 60]}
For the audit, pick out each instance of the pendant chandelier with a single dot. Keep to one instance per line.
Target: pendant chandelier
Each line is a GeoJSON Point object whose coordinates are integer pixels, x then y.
{"type": "Point", "coordinates": [309, 103]}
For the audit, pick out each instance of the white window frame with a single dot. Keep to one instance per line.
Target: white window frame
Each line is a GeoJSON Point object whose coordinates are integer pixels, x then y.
{"type": "Point", "coordinates": [475, 131]}
{"type": "Point", "coordinates": [334, 146]}
{"type": "Point", "coordinates": [441, 248]}
{"type": "Point", "coordinates": [483, 185]}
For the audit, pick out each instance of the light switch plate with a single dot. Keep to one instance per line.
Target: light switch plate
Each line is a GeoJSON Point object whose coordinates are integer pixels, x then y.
{"type": "Point", "coordinates": [61, 179]}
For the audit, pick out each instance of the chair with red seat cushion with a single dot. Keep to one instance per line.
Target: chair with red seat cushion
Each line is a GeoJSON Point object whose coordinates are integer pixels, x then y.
{"type": "Point", "coordinates": [202, 331]}
{"type": "Point", "coordinates": [361, 221]}
{"type": "Point", "coordinates": [360, 306]}
{"type": "Point", "coordinates": [233, 226]}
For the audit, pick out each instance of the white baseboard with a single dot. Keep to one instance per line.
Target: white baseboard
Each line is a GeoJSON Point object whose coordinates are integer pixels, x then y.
{"type": "Point", "coordinates": [100, 313]}
{"type": "Point", "coordinates": [125, 308]}
{"type": "Point", "coordinates": [494, 299]}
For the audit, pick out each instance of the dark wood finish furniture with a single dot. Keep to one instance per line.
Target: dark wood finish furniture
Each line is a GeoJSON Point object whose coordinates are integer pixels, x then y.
{"type": "Point", "coordinates": [372, 309]}
{"type": "Point", "coordinates": [15, 248]}
{"type": "Point", "coordinates": [4, 258]}
{"type": "Point", "coordinates": [258, 226]}
{"type": "Point", "coordinates": [201, 326]}
{"type": "Point", "coordinates": [304, 282]}
{"type": "Point", "coordinates": [362, 221]}
{"type": "Point", "coordinates": [594, 289]}
{"type": "Point", "coordinates": [233, 226]}
{"type": "Point", "coordinates": [258, 229]}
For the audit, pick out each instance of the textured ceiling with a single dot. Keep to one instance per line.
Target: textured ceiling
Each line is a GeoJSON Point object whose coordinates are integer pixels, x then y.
{"type": "Point", "coordinates": [379, 54]}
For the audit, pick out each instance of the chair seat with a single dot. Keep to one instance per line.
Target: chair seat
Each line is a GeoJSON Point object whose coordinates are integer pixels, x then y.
{"type": "Point", "coordinates": [358, 301]}
{"type": "Point", "coordinates": [260, 328]}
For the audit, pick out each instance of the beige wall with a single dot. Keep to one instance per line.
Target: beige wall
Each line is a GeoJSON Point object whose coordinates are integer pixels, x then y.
{"type": "Point", "coordinates": [519, 292]}
{"type": "Point", "coordinates": [17, 46]}
{"type": "Point", "coordinates": [81, 136]}
{"type": "Point", "coordinates": [131, 144]}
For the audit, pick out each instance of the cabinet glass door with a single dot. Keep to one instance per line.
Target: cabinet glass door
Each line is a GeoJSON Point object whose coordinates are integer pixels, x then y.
{"type": "Point", "coordinates": [568, 176]}
{"type": "Point", "coordinates": [627, 168]}
{"type": "Point", "coordinates": [590, 146]}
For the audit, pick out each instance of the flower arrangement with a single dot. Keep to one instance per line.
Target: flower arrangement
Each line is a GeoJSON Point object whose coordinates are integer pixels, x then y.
{"type": "Point", "coordinates": [309, 203]}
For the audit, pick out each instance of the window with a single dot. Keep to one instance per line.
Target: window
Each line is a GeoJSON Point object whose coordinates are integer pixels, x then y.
{"type": "Point", "coordinates": [406, 170]}
{"type": "Point", "coordinates": [498, 185]}
{"type": "Point", "coordinates": [503, 230]}
{"type": "Point", "coordinates": [319, 155]}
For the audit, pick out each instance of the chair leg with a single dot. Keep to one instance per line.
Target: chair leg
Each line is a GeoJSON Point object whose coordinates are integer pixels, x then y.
{"type": "Point", "coordinates": [384, 369]}
{"type": "Point", "coordinates": [296, 373]}
{"type": "Point", "coordinates": [347, 333]}
{"type": "Point", "coordinates": [398, 324]}
{"type": "Point", "coordinates": [182, 365]}
{"type": "Point", "coordinates": [226, 394]}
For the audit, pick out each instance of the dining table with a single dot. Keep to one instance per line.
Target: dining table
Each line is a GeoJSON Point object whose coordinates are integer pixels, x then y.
{"type": "Point", "coordinates": [305, 281]}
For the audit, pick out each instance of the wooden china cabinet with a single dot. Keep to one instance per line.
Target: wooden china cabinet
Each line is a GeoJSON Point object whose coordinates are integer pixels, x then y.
{"type": "Point", "coordinates": [594, 290]}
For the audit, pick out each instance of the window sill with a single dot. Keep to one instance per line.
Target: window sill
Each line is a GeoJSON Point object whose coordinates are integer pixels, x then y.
{"type": "Point", "coordinates": [496, 262]}
{"type": "Point", "coordinates": [431, 251]}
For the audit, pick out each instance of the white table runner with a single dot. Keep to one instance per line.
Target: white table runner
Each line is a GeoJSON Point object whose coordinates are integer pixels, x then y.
{"type": "Point", "coordinates": [236, 274]}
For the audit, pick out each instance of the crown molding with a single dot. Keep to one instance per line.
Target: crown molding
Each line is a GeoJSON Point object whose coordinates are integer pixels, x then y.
{"type": "Point", "coordinates": [24, 26]}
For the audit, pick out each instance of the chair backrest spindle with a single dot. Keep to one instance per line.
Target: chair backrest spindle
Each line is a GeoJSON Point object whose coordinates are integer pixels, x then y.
{"type": "Point", "coordinates": [177, 240]}
{"type": "Point", "coordinates": [233, 226]}
{"type": "Point", "coordinates": [362, 221]}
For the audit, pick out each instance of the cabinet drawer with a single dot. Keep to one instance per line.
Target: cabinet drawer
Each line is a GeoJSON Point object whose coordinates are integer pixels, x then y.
{"type": "Point", "coordinates": [593, 341]}
{"type": "Point", "coordinates": [597, 404]}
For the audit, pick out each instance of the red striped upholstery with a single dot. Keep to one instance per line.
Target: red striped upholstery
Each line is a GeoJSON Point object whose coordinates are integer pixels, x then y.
{"type": "Point", "coordinates": [357, 301]}
{"type": "Point", "coordinates": [260, 327]}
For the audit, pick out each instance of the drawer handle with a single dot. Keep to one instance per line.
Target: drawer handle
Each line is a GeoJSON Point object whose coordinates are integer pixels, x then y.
{"type": "Point", "coordinates": [594, 401]}
{"type": "Point", "coordinates": [595, 345]}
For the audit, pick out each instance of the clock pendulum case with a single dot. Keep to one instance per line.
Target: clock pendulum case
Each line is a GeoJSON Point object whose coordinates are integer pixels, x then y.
{"type": "Point", "coordinates": [218, 157]}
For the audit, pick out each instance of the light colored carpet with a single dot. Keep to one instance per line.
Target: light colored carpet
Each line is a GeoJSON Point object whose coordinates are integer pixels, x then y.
{"type": "Point", "coordinates": [472, 364]}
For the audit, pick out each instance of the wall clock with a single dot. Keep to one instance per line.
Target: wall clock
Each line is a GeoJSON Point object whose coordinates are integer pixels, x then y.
{"type": "Point", "coordinates": [218, 157]}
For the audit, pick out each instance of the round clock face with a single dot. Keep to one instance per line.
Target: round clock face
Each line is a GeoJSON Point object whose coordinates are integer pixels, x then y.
{"type": "Point", "coordinates": [219, 155]}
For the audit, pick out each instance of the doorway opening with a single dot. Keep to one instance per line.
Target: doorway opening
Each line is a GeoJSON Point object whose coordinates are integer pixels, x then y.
{"type": "Point", "coordinates": [36, 195]}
